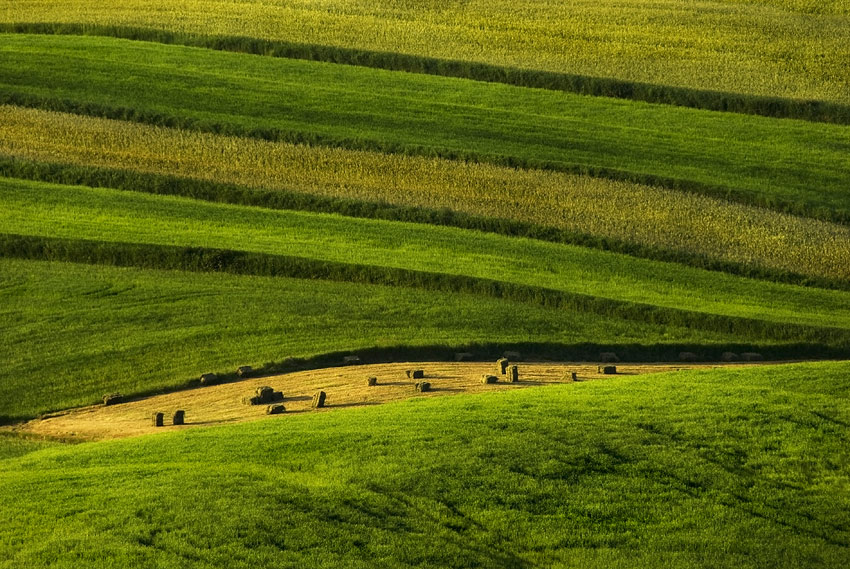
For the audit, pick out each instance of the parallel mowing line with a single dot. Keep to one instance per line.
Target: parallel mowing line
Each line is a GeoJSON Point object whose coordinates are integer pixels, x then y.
{"type": "Point", "coordinates": [777, 107]}
{"type": "Point", "coordinates": [199, 259]}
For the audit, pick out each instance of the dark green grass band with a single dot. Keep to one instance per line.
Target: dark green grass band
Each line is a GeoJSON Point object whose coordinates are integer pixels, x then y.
{"type": "Point", "coordinates": [199, 259]}
{"type": "Point", "coordinates": [291, 200]}
{"type": "Point", "coordinates": [816, 111]}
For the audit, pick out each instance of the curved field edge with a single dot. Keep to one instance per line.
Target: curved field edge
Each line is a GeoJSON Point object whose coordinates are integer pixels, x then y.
{"type": "Point", "coordinates": [74, 332]}
{"type": "Point", "coordinates": [630, 471]}
{"type": "Point", "coordinates": [367, 109]}
{"type": "Point", "coordinates": [200, 259]}
{"type": "Point", "coordinates": [634, 219]}
{"type": "Point", "coordinates": [711, 100]}
{"type": "Point", "coordinates": [49, 210]}
{"type": "Point", "coordinates": [766, 49]}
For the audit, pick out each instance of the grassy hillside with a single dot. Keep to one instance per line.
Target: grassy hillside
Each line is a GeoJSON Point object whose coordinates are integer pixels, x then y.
{"type": "Point", "coordinates": [784, 48]}
{"type": "Point", "coordinates": [623, 216]}
{"type": "Point", "coordinates": [380, 110]}
{"type": "Point", "coordinates": [74, 332]}
{"type": "Point", "coordinates": [100, 214]}
{"type": "Point", "coordinates": [735, 468]}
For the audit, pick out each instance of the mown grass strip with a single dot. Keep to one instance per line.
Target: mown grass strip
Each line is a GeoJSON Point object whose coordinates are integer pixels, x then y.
{"type": "Point", "coordinates": [73, 332]}
{"type": "Point", "coordinates": [200, 259]}
{"type": "Point", "coordinates": [367, 109]}
{"type": "Point", "coordinates": [102, 214]}
{"type": "Point", "coordinates": [713, 100]}
{"type": "Point", "coordinates": [369, 209]}
{"type": "Point", "coordinates": [780, 48]}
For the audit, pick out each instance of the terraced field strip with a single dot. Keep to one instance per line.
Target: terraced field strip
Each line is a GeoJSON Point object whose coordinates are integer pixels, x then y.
{"type": "Point", "coordinates": [98, 214]}
{"type": "Point", "coordinates": [626, 217]}
{"type": "Point", "coordinates": [73, 332]}
{"type": "Point", "coordinates": [773, 49]}
{"type": "Point", "coordinates": [345, 387]}
{"type": "Point", "coordinates": [366, 109]}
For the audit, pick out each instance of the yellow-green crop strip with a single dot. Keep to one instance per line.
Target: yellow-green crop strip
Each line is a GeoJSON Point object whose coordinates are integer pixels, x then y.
{"type": "Point", "coordinates": [781, 48]}
{"type": "Point", "coordinates": [631, 212]}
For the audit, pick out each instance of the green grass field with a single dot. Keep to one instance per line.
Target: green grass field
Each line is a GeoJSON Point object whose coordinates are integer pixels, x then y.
{"type": "Point", "coordinates": [733, 468]}
{"type": "Point", "coordinates": [101, 214]}
{"type": "Point", "coordinates": [228, 189]}
{"type": "Point", "coordinates": [782, 48]}
{"type": "Point", "coordinates": [382, 110]}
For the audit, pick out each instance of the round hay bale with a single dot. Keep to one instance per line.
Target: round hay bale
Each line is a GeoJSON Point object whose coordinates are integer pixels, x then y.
{"type": "Point", "coordinates": [752, 357]}
{"type": "Point", "coordinates": [158, 419]}
{"type": "Point", "coordinates": [371, 381]}
{"type": "Point", "coordinates": [607, 370]}
{"type": "Point", "coordinates": [608, 357]}
{"type": "Point", "coordinates": [418, 374]}
{"type": "Point", "coordinates": [487, 378]}
{"type": "Point", "coordinates": [276, 409]}
{"type": "Point", "coordinates": [729, 357]}
{"type": "Point", "coordinates": [513, 374]}
{"type": "Point", "coordinates": [209, 379]}
{"type": "Point", "coordinates": [687, 357]}
{"type": "Point", "coordinates": [464, 356]}
{"type": "Point", "coordinates": [512, 356]}
{"type": "Point", "coordinates": [113, 399]}
{"type": "Point", "coordinates": [351, 360]}
{"type": "Point", "coordinates": [179, 417]}
{"type": "Point", "coordinates": [319, 399]}
{"type": "Point", "coordinates": [255, 400]}
{"type": "Point", "coordinates": [265, 393]}
{"type": "Point", "coordinates": [244, 371]}
{"type": "Point", "coordinates": [422, 386]}
{"type": "Point", "coordinates": [502, 364]}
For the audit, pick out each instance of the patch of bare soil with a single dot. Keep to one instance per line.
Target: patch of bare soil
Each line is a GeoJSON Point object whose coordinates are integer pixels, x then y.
{"type": "Point", "coordinates": [345, 387]}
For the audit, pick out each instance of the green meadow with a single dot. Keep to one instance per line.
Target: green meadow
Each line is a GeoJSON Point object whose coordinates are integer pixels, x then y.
{"type": "Point", "coordinates": [732, 468]}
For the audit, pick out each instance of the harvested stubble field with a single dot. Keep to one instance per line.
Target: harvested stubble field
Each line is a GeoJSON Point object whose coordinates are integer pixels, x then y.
{"type": "Point", "coordinates": [345, 387]}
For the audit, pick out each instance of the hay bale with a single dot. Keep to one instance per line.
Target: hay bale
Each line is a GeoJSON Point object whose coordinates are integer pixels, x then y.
{"type": "Point", "coordinates": [573, 376]}
{"type": "Point", "coordinates": [255, 400]}
{"type": "Point", "coordinates": [179, 417]}
{"type": "Point", "coordinates": [351, 360]}
{"type": "Point", "coordinates": [608, 357]}
{"type": "Point", "coordinates": [265, 393]}
{"type": "Point", "coordinates": [730, 357]}
{"type": "Point", "coordinates": [319, 399]}
{"type": "Point", "coordinates": [687, 357]}
{"type": "Point", "coordinates": [422, 386]}
{"type": "Point", "coordinates": [513, 374]}
{"type": "Point", "coordinates": [512, 356]}
{"type": "Point", "coordinates": [113, 399]}
{"type": "Point", "coordinates": [244, 371]}
{"type": "Point", "coordinates": [752, 357]}
{"type": "Point", "coordinates": [209, 379]}
{"type": "Point", "coordinates": [607, 370]}
{"type": "Point", "coordinates": [158, 419]}
{"type": "Point", "coordinates": [371, 381]}
{"type": "Point", "coordinates": [464, 356]}
{"type": "Point", "coordinates": [418, 374]}
{"type": "Point", "coordinates": [275, 409]}
{"type": "Point", "coordinates": [487, 378]}
{"type": "Point", "coordinates": [502, 364]}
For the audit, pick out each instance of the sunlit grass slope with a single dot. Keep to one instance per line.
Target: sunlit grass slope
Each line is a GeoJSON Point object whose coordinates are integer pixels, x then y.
{"type": "Point", "coordinates": [735, 468]}
{"type": "Point", "coordinates": [785, 48]}
{"type": "Point", "coordinates": [632, 214]}
{"type": "Point", "coordinates": [100, 214]}
{"type": "Point", "coordinates": [389, 111]}
{"type": "Point", "coordinates": [74, 332]}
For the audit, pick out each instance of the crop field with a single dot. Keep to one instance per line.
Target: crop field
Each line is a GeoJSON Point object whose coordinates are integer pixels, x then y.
{"type": "Point", "coordinates": [326, 190]}
{"type": "Point", "coordinates": [777, 48]}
